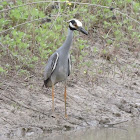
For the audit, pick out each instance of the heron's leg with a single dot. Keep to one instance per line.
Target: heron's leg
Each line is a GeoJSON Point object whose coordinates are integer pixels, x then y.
{"type": "Point", "coordinates": [65, 95]}
{"type": "Point", "coordinates": [53, 97]}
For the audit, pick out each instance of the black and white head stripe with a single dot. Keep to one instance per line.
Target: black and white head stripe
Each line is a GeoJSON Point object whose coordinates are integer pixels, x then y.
{"type": "Point", "coordinates": [74, 24]}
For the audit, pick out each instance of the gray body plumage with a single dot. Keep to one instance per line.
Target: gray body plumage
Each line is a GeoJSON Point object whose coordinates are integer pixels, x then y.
{"type": "Point", "coordinates": [58, 67]}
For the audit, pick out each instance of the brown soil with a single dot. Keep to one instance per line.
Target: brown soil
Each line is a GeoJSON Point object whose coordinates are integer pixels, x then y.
{"type": "Point", "coordinates": [100, 100]}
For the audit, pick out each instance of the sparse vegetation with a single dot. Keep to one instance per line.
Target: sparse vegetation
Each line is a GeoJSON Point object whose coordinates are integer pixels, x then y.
{"type": "Point", "coordinates": [33, 42]}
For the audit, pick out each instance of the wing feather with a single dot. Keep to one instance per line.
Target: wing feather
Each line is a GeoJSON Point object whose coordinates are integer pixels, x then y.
{"type": "Point", "coordinates": [69, 64]}
{"type": "Point", "coordinates": [51, 65]}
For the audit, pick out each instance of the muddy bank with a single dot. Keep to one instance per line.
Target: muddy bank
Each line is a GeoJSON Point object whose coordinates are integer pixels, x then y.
{"type": "Point", "coordinates": [25, 107]}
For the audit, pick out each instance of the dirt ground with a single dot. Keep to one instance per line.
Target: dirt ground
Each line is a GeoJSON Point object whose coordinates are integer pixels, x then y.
{"type": "Point", "coordinates": [26, 107]}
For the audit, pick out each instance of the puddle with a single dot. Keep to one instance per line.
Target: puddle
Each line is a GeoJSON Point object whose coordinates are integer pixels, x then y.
{"type": "Point", "coordinates": [128, 132]}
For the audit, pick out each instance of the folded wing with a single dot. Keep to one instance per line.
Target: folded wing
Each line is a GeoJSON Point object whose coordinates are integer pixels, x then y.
{"type": "Point", "coordinates": [51, 65]}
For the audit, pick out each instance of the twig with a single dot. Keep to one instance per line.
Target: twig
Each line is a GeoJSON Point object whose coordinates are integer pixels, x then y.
{"type": "Point", "coordinates": [6, 121]}
{"type": "Point", "coordinates": [54, 21]}
{"type": "Point", "coordinates": [30, 108]}
{"type": "Point", "coordinates": [127, 16]}
{"type": "Point", "coordinates": [45, 127]}
{"type": "Point", "coordinates": [22, 24]}
{"type": "Point", "coordinates": [2, 45]}
{"type": "Point", "coordinates": [76, 102]}
{"type": "Point", "coordinates": [28, 77]}
{"type": "Point", "coordinates": [108, 32]}
{"type": "Point", "coordinates": [73, 123]}
{"type": "Point", "coordinates": [97, 5]}
{"type": "Point", "coordinates": [31, 22]}
{"type": "Point", "coordinates": [112, 124]}
{"type": "Point", "coordinates": [89, 4]}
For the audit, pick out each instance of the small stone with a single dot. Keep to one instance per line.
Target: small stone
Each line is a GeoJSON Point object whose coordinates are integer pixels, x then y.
{"type": "Point", "coordinates": [137, 105]}
{"type": "Point", "coordinates": [104, 121]}
{"type": "Point", "coordinates": [135, 112]}
{"type": "Point", "coordinates": [117, 114]}
{"type": "Point", "coordinates": [134, 83]}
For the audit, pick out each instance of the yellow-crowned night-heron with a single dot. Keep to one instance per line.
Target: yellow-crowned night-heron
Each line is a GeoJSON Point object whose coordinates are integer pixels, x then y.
{"type": "Point", "coordinates": [59, 64]}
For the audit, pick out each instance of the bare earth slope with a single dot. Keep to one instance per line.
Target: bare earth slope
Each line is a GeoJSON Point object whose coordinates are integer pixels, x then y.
{"type": "Point", "coordinates": [25, 107]}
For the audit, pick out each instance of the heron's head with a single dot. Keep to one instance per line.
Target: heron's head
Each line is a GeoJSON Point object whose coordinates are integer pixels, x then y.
{"type": "Point", "coordinates": [75, 24]}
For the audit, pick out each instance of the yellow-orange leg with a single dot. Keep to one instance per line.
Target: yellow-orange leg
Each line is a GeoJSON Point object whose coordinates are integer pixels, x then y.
{"type": "Point", "coordinates": [65, 95]}
{"type": "Point", "coordinates": [52, 97]}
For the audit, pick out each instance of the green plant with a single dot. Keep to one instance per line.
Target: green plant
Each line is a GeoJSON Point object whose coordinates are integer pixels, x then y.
{"type": "Point", "coordinates": [32, 43]}
{"type": "Point", "coordinates": [2, 70]}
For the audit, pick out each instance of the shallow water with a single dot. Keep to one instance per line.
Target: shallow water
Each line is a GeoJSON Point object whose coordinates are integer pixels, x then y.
{"type": "Point", "coordinates": [125, 131]}
{"type": "Point", "coordinates": [128, 132]}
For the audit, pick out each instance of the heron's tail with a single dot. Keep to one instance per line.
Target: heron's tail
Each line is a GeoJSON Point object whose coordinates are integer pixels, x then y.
{"type": "Point", "coordinates": [45, 83]}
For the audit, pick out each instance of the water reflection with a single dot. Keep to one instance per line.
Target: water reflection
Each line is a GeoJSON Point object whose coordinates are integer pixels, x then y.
{"type": "Point", "coordinates": [129, 132]}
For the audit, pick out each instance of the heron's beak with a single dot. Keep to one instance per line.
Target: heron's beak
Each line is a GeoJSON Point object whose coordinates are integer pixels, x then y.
{"type": "Point", "coordinates": [82, 30]}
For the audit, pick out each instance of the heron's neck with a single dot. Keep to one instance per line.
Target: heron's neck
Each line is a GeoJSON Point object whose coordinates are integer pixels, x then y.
{"type": "Point", "coordinates": [66, 45]}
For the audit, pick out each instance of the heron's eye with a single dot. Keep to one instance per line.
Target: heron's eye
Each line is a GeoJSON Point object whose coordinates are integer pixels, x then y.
{"type": "Point", "coordinates": [76, 26]}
